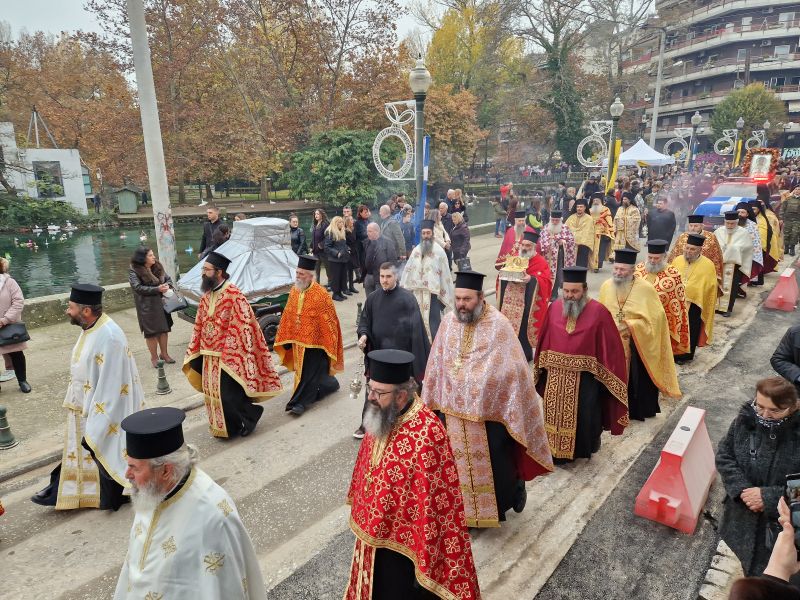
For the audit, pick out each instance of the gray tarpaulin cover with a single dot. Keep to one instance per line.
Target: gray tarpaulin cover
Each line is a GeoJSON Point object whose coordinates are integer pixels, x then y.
{"type": "Point", "coordinates": [262, 261]}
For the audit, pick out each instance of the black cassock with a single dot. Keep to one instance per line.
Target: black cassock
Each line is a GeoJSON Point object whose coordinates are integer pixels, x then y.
{"type": "Point", "coordinates": [522, 334]}
{"type": "Point", "coordinates": [315, 381]}
{"type": "Point", "coordinates": [391, 320]}
{"type": "Point", "coordinates": [241, 414]}
{"type": "Point", "coordinates": [642, 392]}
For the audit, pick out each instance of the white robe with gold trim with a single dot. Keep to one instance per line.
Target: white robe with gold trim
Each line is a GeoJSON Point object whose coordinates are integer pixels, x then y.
{"type": "Point", "coordinates": [103, 389]}
{"type": "Point", "coordinates": [193, 545]}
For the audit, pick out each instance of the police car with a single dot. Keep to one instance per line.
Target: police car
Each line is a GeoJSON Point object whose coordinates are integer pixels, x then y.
{"type": "Point", "coordinates": [724, 198]}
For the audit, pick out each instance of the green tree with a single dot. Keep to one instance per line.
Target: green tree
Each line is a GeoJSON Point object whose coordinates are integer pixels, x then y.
{"type": "Point", "coordinates": [337, 168]}
{"type": "Point", "coordinates": [755, 104]}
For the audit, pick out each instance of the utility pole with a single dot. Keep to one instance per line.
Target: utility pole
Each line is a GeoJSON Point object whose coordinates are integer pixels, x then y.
{"type": "Point", "coordinates": [657, 99]}
{"type": "Point", "coordinates": [153, 148]}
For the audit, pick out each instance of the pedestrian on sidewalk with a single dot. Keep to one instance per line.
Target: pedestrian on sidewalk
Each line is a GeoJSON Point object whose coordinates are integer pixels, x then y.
{"type": "Point", "coordinates": [11, 304]}
{"type": "Point", "coordinates": [309, 339]}
{"type": "Point", "coordinates": [104, 388]}
{"type": "Point", "coordinates": [338, 257]}
{"type": "Point", "coordinates": [209, 227]}
{"type": "Point", "coordinates": [378, 250]}
{"type": "Point", "coordinates": [220, 236]}
{"type": "Point", "coordinates": [318, 228]}
{"type": "Point", "coordinates": [298, 236]}
{"type": "Point", "coordinates": [228, 359]}
{"type": "Point", "coordinates": [459, 238]}
{"type": "Point", "coordinates": [150, 284]}
{"type": "Point", "coordinates": [352, 244]}
{"type": "Point", "coordinates": [499, 216]}
{"type": "Point", "coordinates": [753, 459]}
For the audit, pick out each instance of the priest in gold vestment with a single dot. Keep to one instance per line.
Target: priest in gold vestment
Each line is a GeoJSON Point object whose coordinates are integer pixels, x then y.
{"type": "Point", "coordinates": [711, 249]}
{"type": "Point", "coordinates": [478, 380]}
{"type": "Point", "coordinates": [581, 224]}
{"type": "Point", "coordinates": [641, 321]}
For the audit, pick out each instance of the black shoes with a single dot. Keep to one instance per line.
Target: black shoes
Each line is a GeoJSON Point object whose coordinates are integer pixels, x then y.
{"type": "Point", "coordinates": [353, 290]}
{"type": "Point", "coordinates": [297, 410]}
{"type": "Point", "coordinates": [520, 497]}
{"type": "Point", "coordinates": [25, 387]}
{"type": "Point", "coordinates": [339, 297]}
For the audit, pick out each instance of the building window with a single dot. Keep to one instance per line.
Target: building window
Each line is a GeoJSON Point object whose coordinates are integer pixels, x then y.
{"type": "Point", "coordinates": [681, 119]}
{"type": "Point", "coordinates": [786, 17]}
{"type": "Point", "coordinates": [741, 55]}
{"type": "Point", "coordinates": [782, 51]}
{"type": "Point", "coordinates": [746, 22]}
{"type": "Point", "coordinates": [49, 182]}
{"type": "Point", "coordinates": [684, 93]}
{"type": "Point", "coordinates": [777, 81]}
{"type": "Point", "coordinates": [795, 80]}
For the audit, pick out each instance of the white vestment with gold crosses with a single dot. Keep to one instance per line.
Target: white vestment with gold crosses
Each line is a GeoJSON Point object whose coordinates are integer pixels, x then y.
{"type": "Point", "coordinates": [104, 388]}
{"type": "Point", "coordinates": [192, 546]}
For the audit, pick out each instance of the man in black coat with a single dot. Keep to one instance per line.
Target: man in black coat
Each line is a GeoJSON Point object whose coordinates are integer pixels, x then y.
{"type": "Point", "coordinates": [786, 358]}
{"type": "Point", "coordinates": [377, 251]}
{"type": "Point", "coordinates": [209, 227]}
{"type": "Point", "coordinates": [661, 222]}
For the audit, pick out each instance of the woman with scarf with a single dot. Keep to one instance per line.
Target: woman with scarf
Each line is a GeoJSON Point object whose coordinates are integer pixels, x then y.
{"type": "Point", "coordinates": [761, 447]}
{"type": "Point", "coordinates": [150, 282]}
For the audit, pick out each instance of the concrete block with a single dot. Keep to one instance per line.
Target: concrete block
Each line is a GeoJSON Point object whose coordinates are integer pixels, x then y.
{"type": "Point", "coordinates": [727, 564]}
{"type": "Point", "coordinates": [718, 578]}
{"type": "Point", "coordinates": [711, 592]}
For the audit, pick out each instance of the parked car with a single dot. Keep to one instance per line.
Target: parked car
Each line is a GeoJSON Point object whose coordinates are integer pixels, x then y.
{"type": "Point", "coordinates": [724, 198]}
{"type": "Point", "coordinates": [262, 267]}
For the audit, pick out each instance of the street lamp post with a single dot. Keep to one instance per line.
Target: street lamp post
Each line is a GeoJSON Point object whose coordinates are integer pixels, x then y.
{"type": "Point", "coordinates": [696, 120]}
{"type": "Point", "coordinates": [419, 79]}
{"type": "Point", "coordinates": [615, 109]}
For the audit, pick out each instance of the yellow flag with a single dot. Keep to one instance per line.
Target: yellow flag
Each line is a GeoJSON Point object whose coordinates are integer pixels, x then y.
{"type": "Point", "coordinates": [613, 163]}
{"type": "Point", "coordinates": [738, 156]}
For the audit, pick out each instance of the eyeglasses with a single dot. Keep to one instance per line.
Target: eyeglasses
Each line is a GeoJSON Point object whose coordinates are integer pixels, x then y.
{"type": "Point", "coordinates": [371, 391]}
{"type": "Point", "coordinates": [772, 412]}
{"type": "Point", "coordinates": [208, 270]}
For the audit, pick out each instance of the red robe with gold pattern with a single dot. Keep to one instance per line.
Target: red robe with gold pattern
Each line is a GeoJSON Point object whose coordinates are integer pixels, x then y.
{"type": "Point", "coordinates": [405, 497]}
{"type": "Point", "coordinates": [672, 293]}
{"type": "Point", "coordinates": [509, 247]}
{"type": "Point", "coordinates": [512, 301]}
{"type": "Point", "coordinates": [226, 334]}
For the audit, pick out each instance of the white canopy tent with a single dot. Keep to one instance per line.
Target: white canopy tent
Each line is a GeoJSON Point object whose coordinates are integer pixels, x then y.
{"type": "Point", "coordinates": [642, 155]}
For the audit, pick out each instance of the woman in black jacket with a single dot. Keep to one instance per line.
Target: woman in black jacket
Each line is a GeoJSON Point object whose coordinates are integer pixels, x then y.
{"type": "Point", "coordinates": [360, 229]}
{"type": "Point", "coordinates": [338, 256]}
{"type": "Point", "coordinates": [298, 236]}
{"type": "Point", "coordinates": [762, 447]}
{"type": "Point", "coordinates": [318, 230]}
{"type": "Point", "coordinates": [352, 244]}
{"type": "Point", "coordinates": [150, 282]}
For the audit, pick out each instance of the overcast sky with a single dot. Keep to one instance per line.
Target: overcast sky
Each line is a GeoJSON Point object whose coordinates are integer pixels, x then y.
{"type": "Point", "coordinates": [68, 15]}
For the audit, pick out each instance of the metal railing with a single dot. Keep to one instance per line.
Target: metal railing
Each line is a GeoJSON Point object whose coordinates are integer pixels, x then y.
{"type": "Point", "coordinates": [773, 61]}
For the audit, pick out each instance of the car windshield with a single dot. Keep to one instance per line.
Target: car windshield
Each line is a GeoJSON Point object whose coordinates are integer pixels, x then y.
{"type": "Point", "coordinates": [731, 190]}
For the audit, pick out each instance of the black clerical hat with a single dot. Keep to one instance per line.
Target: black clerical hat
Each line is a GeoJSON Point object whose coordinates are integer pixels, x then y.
{"type": "Point", "coordinates": [519, 214]}
{"type": "Point", "coordinates": [218, 260]}
{"type": "Point", "coordinates": [743, 205]}
{"type": "Point", "coordinates": [657, 246]}
{"type": "Point", "coordinates": [600, 195]}
{"type": "Point", "coordinates": [86, 293]}
{"type": "Point", "coordinates": [575, 274]}
{"type": "Point", "coordinates": [531, 236]}
{"type": "Point", "coordinates": [625, 256]}
{"type": "Point", "coordinates": [581, 202]}
{"type": "Point", "coordinates": [427, 224]}
{"type": "Point", "coordinates": [470, 280]}
{"type": "Point", "coordinates": [695, 239]}
{"type": "Point", "coordinates": [695, 218]}
{"type": "Point", "coordinates": [555, 214]}
{"type": "Point", "coordinates": [154, 432]}
{"type": "Point", "coordinates": [307, 262]}
{"type": "Point", "coordinates": [731, 215]}
{"type": "Point", "coordinates": [390, 366]}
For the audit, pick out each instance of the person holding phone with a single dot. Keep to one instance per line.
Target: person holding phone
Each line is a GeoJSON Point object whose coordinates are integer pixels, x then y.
{"type": "Point", "coordinates": [761, 447]}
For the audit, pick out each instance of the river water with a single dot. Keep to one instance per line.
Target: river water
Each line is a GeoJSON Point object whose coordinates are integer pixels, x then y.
{"type": "Point", "coordinates": [103, 256]}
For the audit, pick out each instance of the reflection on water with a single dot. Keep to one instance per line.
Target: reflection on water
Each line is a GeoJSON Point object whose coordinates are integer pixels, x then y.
{"type": "Point", "coordinates": [103, 256]}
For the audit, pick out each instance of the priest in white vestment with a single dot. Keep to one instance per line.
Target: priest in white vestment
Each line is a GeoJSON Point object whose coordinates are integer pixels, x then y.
{"type": "Point", "coordinates": [187, 540]}
{"type": "Point", "coordinates": [427, 276]}
{"type": "Point", "coordinates": [737, 260]}
{"type": "Point", "coordinates": [103, 389]}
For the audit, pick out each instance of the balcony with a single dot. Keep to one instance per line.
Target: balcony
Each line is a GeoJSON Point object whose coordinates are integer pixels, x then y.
{"type": "Point", "coordinates": [707, 70]}
{"type": "Point", "coordinates": [708, 99]}
{"type": "Point", "coordinates": [719, 8]}
{"type": "Point", "coordinates": [738, 33]}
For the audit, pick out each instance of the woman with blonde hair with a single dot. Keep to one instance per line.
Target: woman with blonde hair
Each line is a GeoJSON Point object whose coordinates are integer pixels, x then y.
{"type": "Point", "coordinates": [338, 256]}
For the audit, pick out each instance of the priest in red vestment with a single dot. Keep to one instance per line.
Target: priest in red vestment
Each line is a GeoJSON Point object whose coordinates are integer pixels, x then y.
{"type": "Point", "coordinates": [407, 512]}
{"type": "Point", "coordinates": [511, 240]}
{"type": "Point", "coordinates": [581, 372]}
{"type": "Point", "coordinates": [477, 379]}
{"type": "Point", "coordinates": [227, 358]}
{"type": "Point", "coordinates": [525, 303]}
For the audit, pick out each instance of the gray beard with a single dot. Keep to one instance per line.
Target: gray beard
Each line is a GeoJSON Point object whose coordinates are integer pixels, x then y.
{"type": "Point", "coordinates": [378, 422]}
{"type": "Point", "coordinates": [690, 260]}
{"type": "Point", "coordinates": [302, 286]}
{"type": "Point", "coordinates": [621, 281]}
{"type": "Point", "coordinates": [470, 317]}
{"type": "Point", "coordinates": [574, 308]}
{"type": "Point", "coordinates": [146, 499]}
{"type": "Point", "coordinates": [554, 229]}
{"type": "Point", "coordinates": [519, 230]}
{"type": "Point", "coordinates": [655, 268]}
{"type": "Point", "coordinates": [526, 253]}
{"type": "Point", "coordinates": [426, 247]}
{"type": "Point", "coordinates": [596, 210]}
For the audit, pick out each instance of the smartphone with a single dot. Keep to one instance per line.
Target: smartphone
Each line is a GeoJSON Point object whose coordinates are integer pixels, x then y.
{"type": "Point", "coordinates": [792, 494]}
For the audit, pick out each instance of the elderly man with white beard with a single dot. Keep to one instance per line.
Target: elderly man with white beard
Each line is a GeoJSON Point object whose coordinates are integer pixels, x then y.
{"type": "Point", "coordinates": [711, 248]}
{"type": "Point", "coordinates": [558, 248]}
{"type": "Point", "coordinates": [737, 257]}
{"type": "Point", "coordinates": [642, 325]}
{"type": "Point", "coordinates": [427, 276]}
{"type": "Point", "coordinates": [407, 511]}
{"type": "Point", "coordinates": [187, 539]}
{"type": "Point", "coordinates": [580, 372]}
{"type": "Point", "coordinates": [667, 281]}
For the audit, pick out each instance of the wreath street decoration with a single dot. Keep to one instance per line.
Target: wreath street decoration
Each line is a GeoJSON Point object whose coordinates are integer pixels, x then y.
{"type": "Point", "coordinates": [772, 153]}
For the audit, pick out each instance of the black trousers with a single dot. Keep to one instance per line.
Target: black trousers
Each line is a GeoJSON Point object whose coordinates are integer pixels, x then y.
{"type": "Point", "coordinates": [393, 578]}
{"type": "Point", "coordinates": [695, 325]}
{"type": "Point", "coordinates": [240, 412]}
{"type": "Point", "coordinates": [582, 259]}
{"type": "Point", "coordinates": [18, 363]}
{"type": "Point", "coordinates": [337, 272]}
{"type": "Point", "coordinates": [315, 382]}
{"type": "Point", "coordinates": [736, 281]}
{"type": "Point", "coordinates": [322, 261]}
{"type": "Point", "coordinates": [604, 242]}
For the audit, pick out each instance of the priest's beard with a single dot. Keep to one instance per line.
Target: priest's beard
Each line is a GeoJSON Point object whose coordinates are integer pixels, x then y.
{"type": "Point", "coordinates": [146, 498]}
{"type": "Point", "coordinates": [208, 283]}
{"type": "Point", "coordinates": [621, 281]}
{"type": "Point", "coordinates": [426, 247]}
{"type": "Point", "coordinates": [655, 268]}
{"type": "Point", "coordinates": [527, 253]}
{"type": "Point", "coordinates": [574, 308]}
{"type": "Point", "coordinates": [302, 286]}
{"type": "Point", "coordinates": [470, 316]}
{"type": "Point", "coordinates": [554, 229]}
{"type": "Point", "coordinates": [596, 210]}
{"type": "Point", "coordinates": [742, 221]}
{"type": "Point", "coordinates": [377, 421]}
{"type": "Point", "coordinates": [519, 230]}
